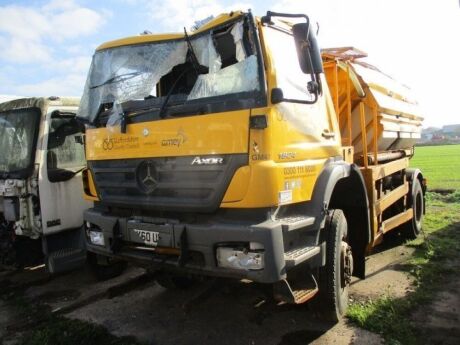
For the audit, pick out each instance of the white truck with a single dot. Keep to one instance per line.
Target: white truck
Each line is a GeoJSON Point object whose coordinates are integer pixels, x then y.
{"type": "Point", "coordinates": [41, 204]}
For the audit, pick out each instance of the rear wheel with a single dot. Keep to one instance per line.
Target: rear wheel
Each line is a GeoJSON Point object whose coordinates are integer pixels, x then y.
{"type": "Point", "coordinates": [413, 228]}
{"type": "Point", "coordinates": [335, 277]}
{"type": "Point", "coordinates": [105, 268]}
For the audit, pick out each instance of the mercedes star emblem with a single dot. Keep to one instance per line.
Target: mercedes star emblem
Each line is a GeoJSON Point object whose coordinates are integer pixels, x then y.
{"type": "Point", "coordinates": [147, 176]}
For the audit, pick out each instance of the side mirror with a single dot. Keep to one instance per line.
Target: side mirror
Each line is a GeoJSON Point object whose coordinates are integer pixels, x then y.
{"type": "Point", "coordinates": [60, 175]}
{"type": "Point", "coordinates": [308, 51]}
{"type": "Point", "coordinates": [70, 127]}
{"type": "Point", "coordinates": [57, 137]}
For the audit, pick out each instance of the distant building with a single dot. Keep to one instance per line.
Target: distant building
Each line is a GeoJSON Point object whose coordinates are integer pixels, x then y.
{"type": "Point", "coordinates": [447, 134]}
{"type": "Point", "coordinates": [429, 133]}
{"type": "Point", "coordinates": [451, 130]}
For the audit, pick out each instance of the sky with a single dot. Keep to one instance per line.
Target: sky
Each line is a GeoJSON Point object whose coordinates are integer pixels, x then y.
{"type": "Point", "coordinates": [46, 45]}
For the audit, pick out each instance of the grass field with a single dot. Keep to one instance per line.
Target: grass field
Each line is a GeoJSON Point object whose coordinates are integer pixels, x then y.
{"type": "Point", "coordinates": [434, 262]}
{"type": "Point", "coordinates": [440, 165]}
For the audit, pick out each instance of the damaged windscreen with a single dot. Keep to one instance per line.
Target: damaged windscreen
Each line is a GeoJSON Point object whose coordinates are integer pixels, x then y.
{"type": "Point", "coordinates": [18, 130]}
{"type": "Point", "coordinates": [219, 62]}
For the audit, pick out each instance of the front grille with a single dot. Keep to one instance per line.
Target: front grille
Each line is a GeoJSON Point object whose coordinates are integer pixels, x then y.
{"type": "Point", "coordinates": [175, 183]}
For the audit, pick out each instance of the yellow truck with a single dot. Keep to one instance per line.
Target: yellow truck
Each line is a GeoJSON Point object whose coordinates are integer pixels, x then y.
{"type": "Point", "coordinates": [240, 150]}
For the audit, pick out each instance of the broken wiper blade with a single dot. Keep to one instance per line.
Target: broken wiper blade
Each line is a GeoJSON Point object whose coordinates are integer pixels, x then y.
{"type": "Point", "coordinates": [193, 58]}
{"type": "Point", "coordinates": [161, 113]}
{"type": "Point", "coordinates": [117, 79]}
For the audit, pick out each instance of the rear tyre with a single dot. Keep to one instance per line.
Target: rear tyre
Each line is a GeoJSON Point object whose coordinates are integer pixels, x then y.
{"type": "Point", "coordinates": [335, 277]}
{"type": "Point", "coordinates": [173, 281]}
{"type": "Point", "coordinates": [105, 268]}
{"type": "Point", "coordinates": [413, 228]}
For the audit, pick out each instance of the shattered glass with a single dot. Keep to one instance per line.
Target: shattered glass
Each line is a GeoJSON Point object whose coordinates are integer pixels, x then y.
{"type": "Point", "coordinates": [115, 117]}
{"type": "Point", "coordinates": [206, 53]}
{"type": "Point", "coordinates": [138, 68]}
{"type": "Point", "coordinates": [240, 77]}
{"type": "Point", "coordinates": [17, 130]}
{"type": "Point", "coordinates": [125, 73]}
{"type": "Point", "coordinates": [237, 33]}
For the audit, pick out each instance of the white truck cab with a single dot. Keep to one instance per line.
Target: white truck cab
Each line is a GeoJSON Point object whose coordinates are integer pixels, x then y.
{"type": "Point", "coordinates": [41, 203]}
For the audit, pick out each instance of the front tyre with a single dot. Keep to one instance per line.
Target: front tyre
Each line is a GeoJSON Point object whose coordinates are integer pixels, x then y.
{"type": "Point", "coordinates": [335, 277]}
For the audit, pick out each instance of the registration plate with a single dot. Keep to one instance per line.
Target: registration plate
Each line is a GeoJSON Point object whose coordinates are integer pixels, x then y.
{"type": "Point", "coordinates": [152, 235]}
{"type": "Point", "coordinates": [150, 238]}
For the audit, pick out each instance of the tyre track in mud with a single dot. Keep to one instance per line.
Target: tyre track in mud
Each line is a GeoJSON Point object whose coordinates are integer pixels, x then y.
{"type": "Point", "coordinates": [216, 311]}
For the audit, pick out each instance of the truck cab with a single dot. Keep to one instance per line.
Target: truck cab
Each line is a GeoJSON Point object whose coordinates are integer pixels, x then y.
{"type": "Point", "coordinates": [41, 204]}
{"type": "Point", "coordinates": [218, 152]}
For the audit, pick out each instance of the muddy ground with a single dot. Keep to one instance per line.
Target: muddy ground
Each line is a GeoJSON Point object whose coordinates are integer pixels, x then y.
{"type": "Point", "coordinates": [215, 311]}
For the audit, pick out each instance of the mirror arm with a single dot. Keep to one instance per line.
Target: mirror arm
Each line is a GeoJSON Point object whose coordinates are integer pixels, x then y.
{"type": "Point", "coordinates": [268, 17]}
{"type": "Point", "coordinates": [277, 97]}
{"type": "Point", "coordinates": [314, 78]}
{"type": "Point", "coordinates": [299, 101]}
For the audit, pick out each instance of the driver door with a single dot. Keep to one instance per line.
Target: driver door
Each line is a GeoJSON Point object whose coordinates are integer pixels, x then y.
{"type": "Point", "coordinates": [60, 179]}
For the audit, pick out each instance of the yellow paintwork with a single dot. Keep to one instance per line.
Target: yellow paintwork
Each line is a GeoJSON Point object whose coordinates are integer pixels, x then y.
{"type": "Point", "coordinates": [272, 175]}
{"type": "Point", "coordinates": [391, 118]}
{"type": "Point", "coordinates": [281, 157]}
{"type": "Point", "coordinates": [238, 186]}
{"type": "Point", "coordinates": [142, 39]}
{"type": "Point", "coordinates": [223, 133]}
{"type": "Point", "coordinates": [267, 179]}
{"type": "Point", "coordinates": [89, 188]}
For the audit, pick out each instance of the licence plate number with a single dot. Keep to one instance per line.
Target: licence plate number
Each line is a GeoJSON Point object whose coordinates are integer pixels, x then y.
{"type": "Point", "coordinates": [150, 238]}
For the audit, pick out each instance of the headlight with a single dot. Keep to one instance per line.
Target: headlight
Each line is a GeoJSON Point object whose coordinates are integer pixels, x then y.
{"type": "Point", "coordinates": [96, 237]}
{"type": "Point", "coordinates": [239, 259]}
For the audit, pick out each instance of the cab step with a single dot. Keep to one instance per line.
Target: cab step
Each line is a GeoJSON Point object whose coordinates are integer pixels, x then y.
{"type": "Point", "coordinates": [295, 223]}
{"type": "Point", "coordinates": [296, 256]}
{"type": "Point", "coordinates": [299, 292]}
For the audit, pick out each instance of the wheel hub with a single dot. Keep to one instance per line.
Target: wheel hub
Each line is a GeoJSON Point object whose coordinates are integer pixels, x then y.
{"type": "Point", "coordinates": [346, 264]}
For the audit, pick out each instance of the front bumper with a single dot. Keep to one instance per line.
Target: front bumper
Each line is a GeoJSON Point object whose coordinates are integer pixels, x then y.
{"type": "Point", "coordinates": [197, 244]}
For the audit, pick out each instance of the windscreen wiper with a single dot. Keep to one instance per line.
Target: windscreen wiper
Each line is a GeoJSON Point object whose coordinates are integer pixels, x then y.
{"type": "Point", "coordinates": [191, 56]}
{"type": "Point", "coordinates": [117, 79]}
{"type": "Point", "coordinates": [173, 87]}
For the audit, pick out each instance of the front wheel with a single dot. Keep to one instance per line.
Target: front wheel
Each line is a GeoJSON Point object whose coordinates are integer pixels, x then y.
{"type": "Point", "coordinates": [335, 277]}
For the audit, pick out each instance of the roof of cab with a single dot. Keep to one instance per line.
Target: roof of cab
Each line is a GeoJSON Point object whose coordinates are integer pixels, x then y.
{"type": "Point", "coordinates": [139, 39]}
{"type": "Point", "coordinates": [39, 102]}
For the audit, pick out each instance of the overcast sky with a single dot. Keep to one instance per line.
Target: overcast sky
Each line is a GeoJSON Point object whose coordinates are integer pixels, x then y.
{"type": "Point", "coordinates": [46, 46]}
